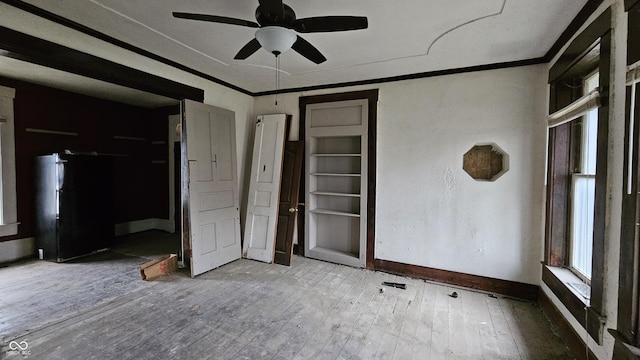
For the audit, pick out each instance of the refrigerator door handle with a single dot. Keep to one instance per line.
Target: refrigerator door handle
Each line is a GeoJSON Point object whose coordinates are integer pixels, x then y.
{"type": "Point", "coordinates": [59, 179]}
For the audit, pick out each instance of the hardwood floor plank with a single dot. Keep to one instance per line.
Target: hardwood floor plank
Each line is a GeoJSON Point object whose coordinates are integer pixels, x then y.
{"type": "Point", "coordinates": [531, 330]}
{"type": "Point", "coordinates": [473, 321]}
{"type": "Point", "coordinates": [332, 294]}
{"type": "Point", "coordinates": [488, 338]}
{"type": "Point", "coordinates": [362, 311]}
{"type": "Point", "coordinates": [457, 340]}
{"type": "Point", "coordinates": [408, 331]}
{"type": "Point", "coordinates": [422, 350]}
{"type": "Point", "coordinates": [440, 329]}
{"type": "Point", "coordinates": [505, 338]}
{"type": "Point", "coordinates": [248, 309]}
{"type": "Point", "coordinates": [345, 314]}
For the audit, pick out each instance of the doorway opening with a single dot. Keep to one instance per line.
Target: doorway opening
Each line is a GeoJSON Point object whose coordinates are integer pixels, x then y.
{"type": "Point", "coordinates": [368, 168]}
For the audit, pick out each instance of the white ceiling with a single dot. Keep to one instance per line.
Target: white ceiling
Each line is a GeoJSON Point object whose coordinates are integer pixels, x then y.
{"type": "Point", "coordinates": [404, 37]}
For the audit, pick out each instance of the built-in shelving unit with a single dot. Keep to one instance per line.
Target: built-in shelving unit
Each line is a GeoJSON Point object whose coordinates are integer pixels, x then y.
{"type": "Point", "coordinates": [336, 182]}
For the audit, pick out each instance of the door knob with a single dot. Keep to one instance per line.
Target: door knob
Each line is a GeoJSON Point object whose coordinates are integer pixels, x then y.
{"type": "Point", "coordinates": [292, 210]}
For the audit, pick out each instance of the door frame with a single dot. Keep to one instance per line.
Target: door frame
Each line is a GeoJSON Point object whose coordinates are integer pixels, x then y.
{"type": "Point", "coordinates": [372, 97]}
{"type": "Point", "coordinates": [172, 138]}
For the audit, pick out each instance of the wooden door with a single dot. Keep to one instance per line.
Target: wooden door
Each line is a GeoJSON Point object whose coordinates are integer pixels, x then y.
{"type": "Point", "coordinates": [288, 209]}
{"type": "Point", "coordinates": [264, 187]}
{"type": "Point", "coordinates": [211, 185]}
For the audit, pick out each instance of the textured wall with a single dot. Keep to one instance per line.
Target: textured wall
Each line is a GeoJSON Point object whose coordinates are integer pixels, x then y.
{"type": "Point", "coordinates": [429, 211]}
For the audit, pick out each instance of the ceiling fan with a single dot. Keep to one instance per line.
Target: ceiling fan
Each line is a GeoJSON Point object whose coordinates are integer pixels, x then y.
{"type": "Point", "coordinates": [277, 24]}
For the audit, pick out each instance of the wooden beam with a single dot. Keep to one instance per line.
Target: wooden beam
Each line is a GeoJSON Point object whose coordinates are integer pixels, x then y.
{"type": "Point", "coordinates": [589, 8]}
{"type": "Point", "coordinates": [633, 37]}
{"type": "Point", "coordinates": [581, 44]}
{"type": "Point", "coordinates": [27, 48]}
{"type": "Point", "coordinates": [32, 9]}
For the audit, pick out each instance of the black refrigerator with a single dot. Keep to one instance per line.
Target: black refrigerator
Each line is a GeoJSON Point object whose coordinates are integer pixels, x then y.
{"type": "Point", "coordinates": [74, 205]}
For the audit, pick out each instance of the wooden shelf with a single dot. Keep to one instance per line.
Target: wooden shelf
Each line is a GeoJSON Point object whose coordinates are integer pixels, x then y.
{"type": "Point", "coordinates": [327, 193]}
{"type": "Point", "coordinates": [333, 212]}
{"type": "Point", "coordinates": [337, 184]}
{"type": "Point", "coordinates": [337, 155]}
{"type": "Point", "coordinates": [335, 252]}
{"type": "Point", "coordinates": [335, 174]}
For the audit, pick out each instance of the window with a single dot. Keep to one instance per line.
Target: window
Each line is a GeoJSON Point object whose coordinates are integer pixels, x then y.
{"type": "Point", "coordinates": [583, 188]}
{"type": "Point", "coordinates": [8, 211]}
{"type": "Point", "coordinates": [576, 200]}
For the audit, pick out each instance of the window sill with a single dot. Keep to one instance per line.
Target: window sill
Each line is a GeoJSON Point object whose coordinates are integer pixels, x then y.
{"type": "Point", "coordinates": [9, 229]}
{"type": "Point", "coordinates": [557, 280]}
{"type": "Point", "coordinates": [622, 348]}
{"type": "Point", "coordinates": [566, 277]}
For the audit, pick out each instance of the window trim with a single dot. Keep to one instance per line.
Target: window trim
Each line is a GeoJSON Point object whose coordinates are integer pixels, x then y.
{"type": "Point", "coordinates": [559, 166]}
{"type": "Point", "coordinates": [628, 322]}
{"type": "Point", "coordinates": [584, 168]}
{"type": "Point", "coordinates": [9, 216]}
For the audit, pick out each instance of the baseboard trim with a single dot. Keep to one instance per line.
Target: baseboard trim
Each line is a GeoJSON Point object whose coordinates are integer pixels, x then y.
{"type": "Point", "coordinates": [13, 250]}
{"type": "Point", "coordinates": [566, 332]}
{"type": "Point", "coordinates": [132, 227]}
{"type": "Point", "coordinates": [498, 286]}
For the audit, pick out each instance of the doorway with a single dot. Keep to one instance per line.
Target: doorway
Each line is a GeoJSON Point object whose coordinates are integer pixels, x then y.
{"type": "Point", "coordinates": [175, 175]}
{"type": "Point", "coordinates": [371, 98]}
{"type": "Point", "coordinates": [177, 180]}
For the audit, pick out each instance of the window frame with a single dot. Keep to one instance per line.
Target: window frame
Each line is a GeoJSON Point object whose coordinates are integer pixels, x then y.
{"type": "Point", "coordinates": [566, 81]}
{"type": "Point", "coordinates": [628, 324]}
{"type": "Point", "coordinates": [8, 201]}
{"type": "Point", "coordinates": [586, 278]}
{"type": "Point", "coordinates": [582, 170]}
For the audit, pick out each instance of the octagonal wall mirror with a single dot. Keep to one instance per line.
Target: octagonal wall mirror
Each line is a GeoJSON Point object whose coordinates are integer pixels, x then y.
{"type": "Point", "coordinates": [485, 162]}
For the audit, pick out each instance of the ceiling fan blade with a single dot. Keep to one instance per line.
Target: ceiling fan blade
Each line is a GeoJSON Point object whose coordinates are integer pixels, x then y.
{"type": "Point", "coordinates": [216, 19]}
{"type": "Point", "coordinates": [248, 50]}
{"type": "Point", "coordinates": [330, 24]}
{"type": "Point", "coordinates": [273, 7]}
{"type": "Point", "coordinates": [304, 48]}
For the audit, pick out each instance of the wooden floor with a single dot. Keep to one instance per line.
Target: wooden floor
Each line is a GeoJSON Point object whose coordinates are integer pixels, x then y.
{"type": "Point", "coordinates": [99, 308]}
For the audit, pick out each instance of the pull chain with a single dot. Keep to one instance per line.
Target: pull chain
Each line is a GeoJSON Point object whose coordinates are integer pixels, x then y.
{"type": "Point", "coordinates": [277, 77]}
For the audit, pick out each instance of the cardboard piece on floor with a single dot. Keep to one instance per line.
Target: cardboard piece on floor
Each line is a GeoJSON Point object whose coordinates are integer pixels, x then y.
{"type": "Point", "coordinates": [158, 267]}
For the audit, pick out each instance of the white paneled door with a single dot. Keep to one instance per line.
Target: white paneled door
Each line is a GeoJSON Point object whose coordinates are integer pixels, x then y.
{"type": "Point", "coordinates": [264, 188]}
{"type": "Point", "coordinates": [212, 186]}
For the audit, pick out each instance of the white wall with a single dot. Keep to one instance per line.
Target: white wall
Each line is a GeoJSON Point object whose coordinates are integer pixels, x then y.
{"type": "Point", "coordinates": [429, 211]}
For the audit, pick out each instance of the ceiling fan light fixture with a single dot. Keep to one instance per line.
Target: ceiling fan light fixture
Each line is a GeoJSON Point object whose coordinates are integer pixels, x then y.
{"type": "Point", "coordinates": [276, 39]}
